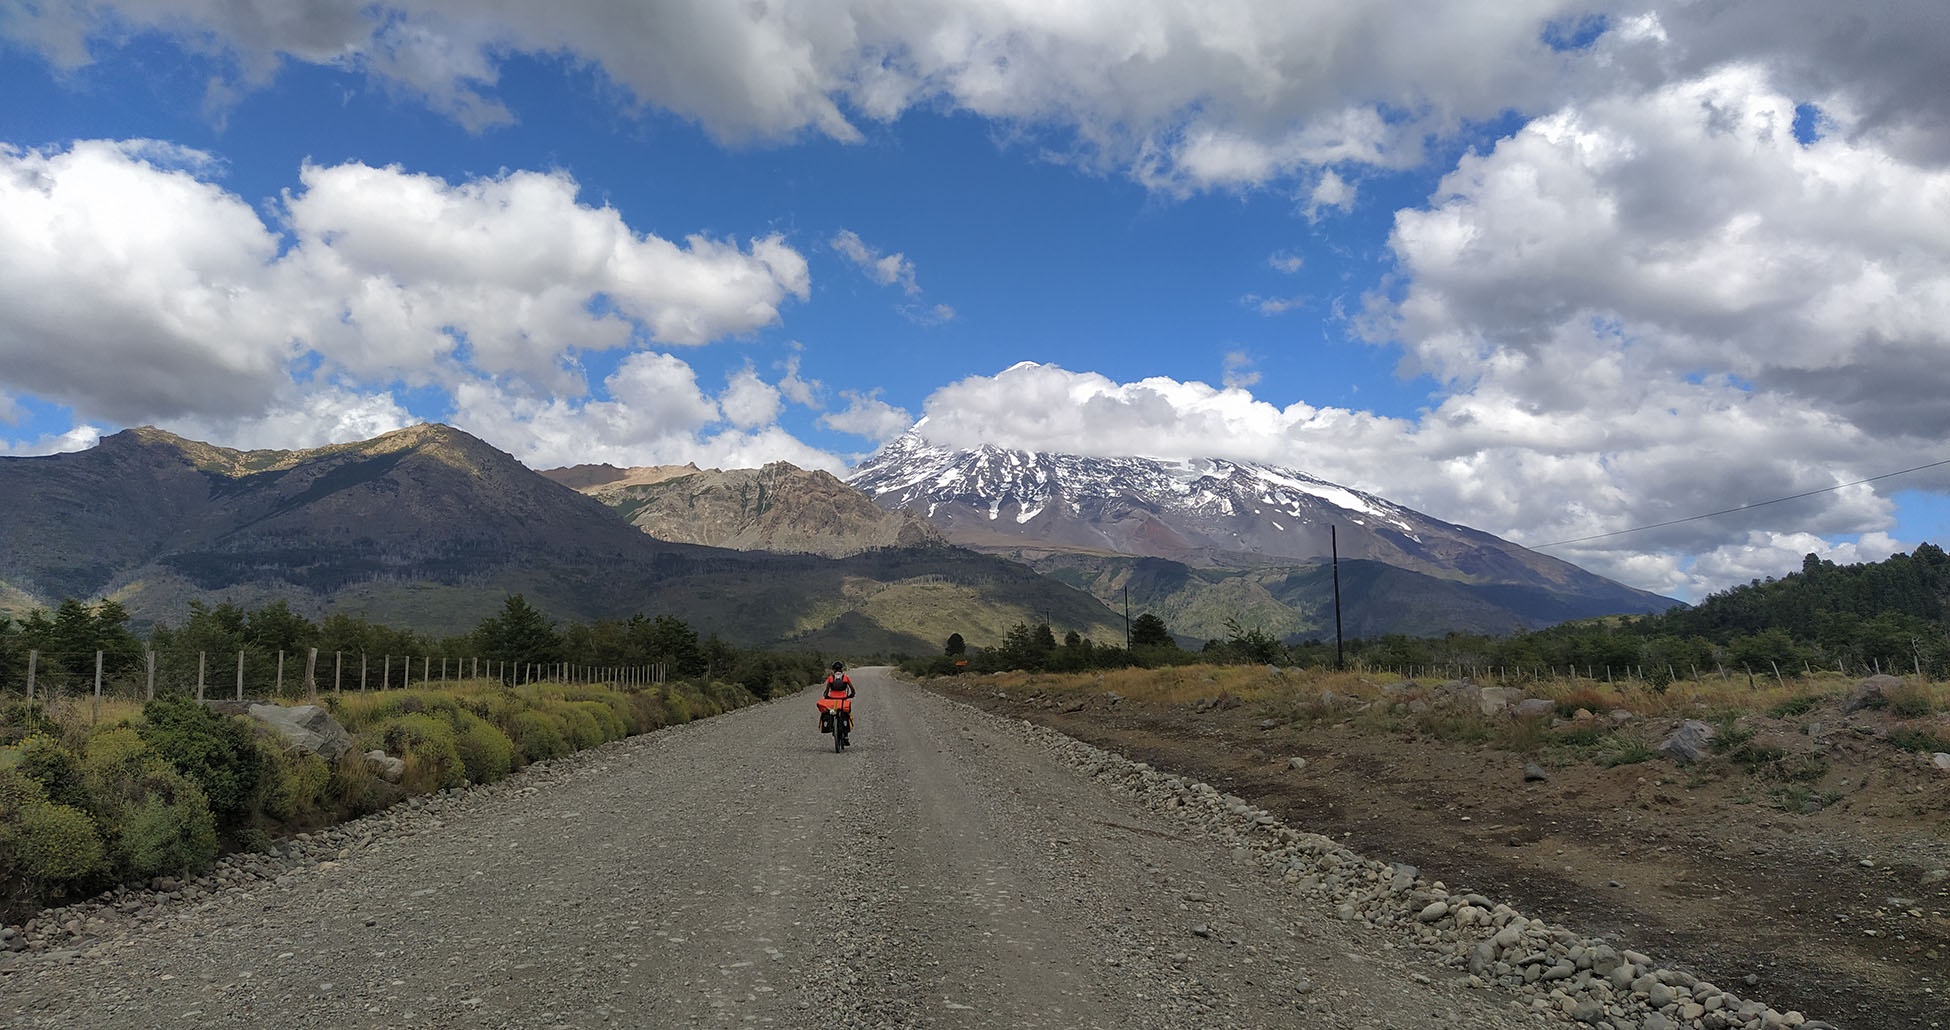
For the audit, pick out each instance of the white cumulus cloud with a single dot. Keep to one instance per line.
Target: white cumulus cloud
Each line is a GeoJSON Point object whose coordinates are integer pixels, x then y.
{"type": "Point", "coordinates": [137, 290]}
{"type": "Point", "coordinates": [867, 415]}
{"type": "Point", "coordinates": [1182, 94]}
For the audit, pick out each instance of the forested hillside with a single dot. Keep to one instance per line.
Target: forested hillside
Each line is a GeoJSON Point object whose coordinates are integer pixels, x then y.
{"type": "Point", "coordinates": [1877, 615]}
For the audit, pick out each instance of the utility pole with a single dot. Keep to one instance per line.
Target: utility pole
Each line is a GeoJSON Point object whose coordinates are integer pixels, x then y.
{"type": "Point", "coordinates": [1334, 543]}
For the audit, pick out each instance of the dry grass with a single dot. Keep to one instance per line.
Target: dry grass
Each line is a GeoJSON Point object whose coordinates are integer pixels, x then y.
{"type": "Point", "coordinates": [1295, 694]}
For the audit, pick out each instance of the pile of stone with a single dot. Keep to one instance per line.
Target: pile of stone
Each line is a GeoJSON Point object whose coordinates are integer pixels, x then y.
{"type": "Point", "coordinates": [1583, 980]}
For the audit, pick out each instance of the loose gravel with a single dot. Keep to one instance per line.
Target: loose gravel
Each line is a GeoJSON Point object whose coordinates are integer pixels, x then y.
{"type": "Point", "coordinates": [951, 869]}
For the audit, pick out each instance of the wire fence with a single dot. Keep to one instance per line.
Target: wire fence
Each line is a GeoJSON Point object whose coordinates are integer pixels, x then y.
{"type": "Point", "coordinates": [284, 675]}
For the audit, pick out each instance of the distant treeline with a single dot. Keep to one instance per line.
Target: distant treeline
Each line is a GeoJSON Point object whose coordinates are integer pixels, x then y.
{"type": "Point", "coordinates": [1888, 615]}
{"type": "Point", "coordinates": [520, 635]}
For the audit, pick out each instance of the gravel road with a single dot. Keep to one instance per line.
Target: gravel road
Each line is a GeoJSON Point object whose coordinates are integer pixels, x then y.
{"type": "Point", "coordinates": [947, 870]}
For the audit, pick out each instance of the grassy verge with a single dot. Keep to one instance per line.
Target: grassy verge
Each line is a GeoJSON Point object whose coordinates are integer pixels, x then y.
{"type": "Point", "coordinates": [128, 792]}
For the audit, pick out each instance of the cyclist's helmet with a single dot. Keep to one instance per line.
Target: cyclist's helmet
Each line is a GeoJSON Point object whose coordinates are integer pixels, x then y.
{"type": "Point", "coordinates": [839, 666]}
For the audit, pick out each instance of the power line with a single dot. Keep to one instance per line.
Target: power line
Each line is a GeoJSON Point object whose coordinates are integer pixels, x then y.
{"type": "Point", "coordinates": [1744, 507]}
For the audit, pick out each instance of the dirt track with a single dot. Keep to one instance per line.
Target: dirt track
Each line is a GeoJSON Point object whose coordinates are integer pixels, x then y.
{"type": "Point", "coordinates": [943, 872]}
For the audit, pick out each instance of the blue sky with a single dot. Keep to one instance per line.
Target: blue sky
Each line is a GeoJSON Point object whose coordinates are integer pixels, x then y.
{"type": "Point", "coordinates": [1550, 284]}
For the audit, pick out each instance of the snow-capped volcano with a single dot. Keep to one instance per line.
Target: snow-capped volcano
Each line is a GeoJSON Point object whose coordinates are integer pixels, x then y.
{"type": "Point", "coordinates": [1209, 512]}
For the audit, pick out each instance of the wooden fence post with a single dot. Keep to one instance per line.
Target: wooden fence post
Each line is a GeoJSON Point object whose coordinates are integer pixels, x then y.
{"type": "Point", "coordinates": [362, 672]}
{"type": "Point", "coordinates": [278, 691]}
{"type": "Point", "coordinates": [33, 661]}
{"type": "Point", "coordinates": [240, 675]}
{"type": "Point", "coordinates": [98, 687]}
{"type": "Point", "coordinates": [200, 657]}
{"type": "Point", "coordinates": [426, 663]}
{"type": "Point", "coordinates": [149, 659]}
{"type": "Point", "coordinates": [338, 672]}
{"type": "Point", "coordinates": [311, 674]}
{"type": "Point", "coordinates": [386, 675]}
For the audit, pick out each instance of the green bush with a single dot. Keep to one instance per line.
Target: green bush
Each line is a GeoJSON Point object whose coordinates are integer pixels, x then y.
{"type": "Point", "coordinates": [540, 736]}
{"type": "Point", "coordinates": [487, 752]}
{"type": "Point", "coordinates": [677, 710]}
{"type": "Point", "coordinates": [171, 830]}
{"type": "Point", "coordinates": [294, 783]}
{"type": "Point", "coordinates": [114, 758]}
{"type": "Point", "coordinates": [53, 847]}
{"type": "Point", "coordinates": [216, 752]}
{"type": "Point", "coordinates": [579, 727]}
{"type": "Point", "coordinates": [55, 768]}
{"type": "Point", "coordinates": [604, 716]}
{"type": "Point", "coordinates": [427, 744]}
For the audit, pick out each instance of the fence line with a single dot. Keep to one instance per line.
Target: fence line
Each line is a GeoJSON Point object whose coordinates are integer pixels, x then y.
{"type": "Point", "coordinates": [146, 674]}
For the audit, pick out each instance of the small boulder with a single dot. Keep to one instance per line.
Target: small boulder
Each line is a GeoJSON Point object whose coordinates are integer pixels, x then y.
{"type": "Point", "coordinates": [1941, 760]}
{"type": "Point", "coordinates": [1534, 773]}
{"type": "Point", "coordinates": [1296, 764]}
{"type": "Point", "coordinates": [1691, 742]}
{"type": "Point", "coordinates": [1620, 716]}
{"type": "Point", "coordinates": [1535, 707]}
{"type": "Point", "coordinates": [1871, 693]}
{"type": "Point", "coordinates": [307, 728]}
{"type": "Point", "coordinates": [385, 766]}
{"type": "Point", "coordinates": [1492, 700]}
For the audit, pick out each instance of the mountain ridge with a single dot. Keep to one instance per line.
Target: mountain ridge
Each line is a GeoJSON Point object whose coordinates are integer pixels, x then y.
{"type": "Point", "coordinates": [429, 527]}
{"type": "Point", "coordinates": [1251, 528]}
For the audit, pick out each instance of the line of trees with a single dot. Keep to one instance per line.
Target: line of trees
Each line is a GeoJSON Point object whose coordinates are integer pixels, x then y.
{"type": "Point", "coordinates": [519, 634]}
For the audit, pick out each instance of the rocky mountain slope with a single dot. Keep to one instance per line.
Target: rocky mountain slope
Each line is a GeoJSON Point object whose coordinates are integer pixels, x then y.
{"type": "Point", "coordinates": [780, 507]}
{"type": "Point", "coordinates": [429, 527]}
{"type": "Point", "coordinates": [1232, 539]}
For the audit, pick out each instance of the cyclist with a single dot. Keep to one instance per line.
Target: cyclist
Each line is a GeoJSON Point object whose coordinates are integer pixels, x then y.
{"type": "Point", "coordinates": [836, 699]}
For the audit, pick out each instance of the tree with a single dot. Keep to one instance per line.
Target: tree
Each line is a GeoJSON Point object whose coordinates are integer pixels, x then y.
{"type": "Point", "coordinates": [956, 646]}
{"type": "Point", "coordinates": [1150, 631]}
{"type": "Point", "coordinates": [669, 640]}
{"type": "Point", "coordinates": [520, 634]}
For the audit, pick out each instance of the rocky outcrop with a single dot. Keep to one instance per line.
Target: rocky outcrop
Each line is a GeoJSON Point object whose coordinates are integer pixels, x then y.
{"type": "Point", "coordinates": [307, 728]}
{"type": "Point", "coordinates": [780, 507]}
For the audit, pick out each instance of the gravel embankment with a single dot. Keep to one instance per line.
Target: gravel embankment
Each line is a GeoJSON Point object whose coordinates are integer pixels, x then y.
{"type": "Point", "coordinates": [952, 869]}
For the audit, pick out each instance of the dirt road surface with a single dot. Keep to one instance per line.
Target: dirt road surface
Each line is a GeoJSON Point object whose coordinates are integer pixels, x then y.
{"type": "Point", "coordinates": [944, 872]}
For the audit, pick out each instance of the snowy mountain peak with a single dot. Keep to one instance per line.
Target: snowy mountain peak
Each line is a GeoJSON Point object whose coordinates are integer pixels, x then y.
{"type": "Point", "coordinates": [1003, 485]}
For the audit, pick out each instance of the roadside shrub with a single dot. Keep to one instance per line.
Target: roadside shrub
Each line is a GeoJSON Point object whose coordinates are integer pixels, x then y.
{"type": "Point", "coordinates": [55, 768]}
{"type": "Point", "coordinates": [487, 752]}
{"type": "Point", "coordinates": [427, 744]}
{"type": "Point", "coordinates": [1911, 701]}
{"type": "Point", "coordinates": [171, 830]}
{"type": "Point", "coordinates": [53, 847]}
{"type": "Point", "coordinates": [1626, 749]}
{"type": "Point", "coordinates": [1795, 706]}
{"type": "Point", "coordinates": [17, 790]}
{"type": "Point", "coordinates": [605, 717]}
{"type": "Point", "coordinates": [294, 783]}
{"type": "Point", "coordinates": [540, 736]}
{"type": "Point", "coordinates": [356, 789]}
{"type": "Point", "coordinates": [579, 727]}
{"type": "Point", "coordinates": [216, 752]}
{"type": "Point", "coordinates": [114, 759]}
{"type": "Point", "coordinates": [677, 710]}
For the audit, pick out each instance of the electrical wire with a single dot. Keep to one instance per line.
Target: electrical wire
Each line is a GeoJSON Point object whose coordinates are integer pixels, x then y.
{"type": "Point", "coordinates": [1744, 507]}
